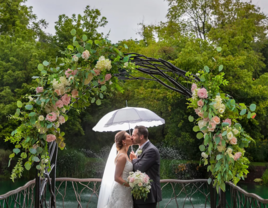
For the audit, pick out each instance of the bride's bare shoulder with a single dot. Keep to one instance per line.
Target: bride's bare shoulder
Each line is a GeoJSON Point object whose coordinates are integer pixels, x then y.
{"type": "Point", "coordinates": [120, 158]}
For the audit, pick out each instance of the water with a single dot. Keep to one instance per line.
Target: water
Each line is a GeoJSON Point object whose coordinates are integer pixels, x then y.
{"type": "Point", "coordinates": [196, 198]}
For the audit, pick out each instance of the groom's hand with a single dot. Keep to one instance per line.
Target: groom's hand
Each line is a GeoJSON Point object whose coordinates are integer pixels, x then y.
{"type": "Point", "coordinates": [132, 156]}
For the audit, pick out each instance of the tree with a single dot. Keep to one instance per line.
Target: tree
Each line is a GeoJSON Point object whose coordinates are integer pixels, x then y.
{"type": "Point", "coordinates": [86, 24]}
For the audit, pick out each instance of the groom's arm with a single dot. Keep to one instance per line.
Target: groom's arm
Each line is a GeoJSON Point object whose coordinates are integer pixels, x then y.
{"type": "Point", "coordinates": [144, 163]}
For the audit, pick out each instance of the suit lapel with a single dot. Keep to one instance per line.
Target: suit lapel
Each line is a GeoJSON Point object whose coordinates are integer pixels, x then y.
{"type": "Point", "coordinates": [144, 148]}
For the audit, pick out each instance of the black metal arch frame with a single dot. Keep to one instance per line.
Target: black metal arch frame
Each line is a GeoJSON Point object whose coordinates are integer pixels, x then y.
{"type": "Point", "coordinates": [159, 70]}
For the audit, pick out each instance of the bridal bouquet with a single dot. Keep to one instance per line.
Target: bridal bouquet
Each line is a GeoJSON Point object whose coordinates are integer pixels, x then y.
{"type": "Point", "coordinates": [140, 184]}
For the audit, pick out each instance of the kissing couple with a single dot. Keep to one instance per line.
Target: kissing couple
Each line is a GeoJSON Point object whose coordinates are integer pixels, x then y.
{"type": "Point", "coordinates": [146, 160]}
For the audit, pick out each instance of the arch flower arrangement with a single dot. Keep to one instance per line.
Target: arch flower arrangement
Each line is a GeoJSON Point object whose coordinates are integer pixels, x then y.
{"type": "Point", "coordinates": [82, 77]}
{"type": "Point", "coordinates": [224, 139]}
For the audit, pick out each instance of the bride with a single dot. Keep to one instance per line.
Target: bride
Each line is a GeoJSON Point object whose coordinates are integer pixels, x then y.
{"type": "Point", "coordinates": [117, 194]}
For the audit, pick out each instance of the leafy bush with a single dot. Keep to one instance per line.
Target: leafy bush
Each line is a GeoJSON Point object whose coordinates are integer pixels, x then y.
{"type": "Point", "coordinates": [265, 177]}
{"type": "Point", "coordinates": [72, 163]}
{"type": "Point", "coordinates": [4, 158]}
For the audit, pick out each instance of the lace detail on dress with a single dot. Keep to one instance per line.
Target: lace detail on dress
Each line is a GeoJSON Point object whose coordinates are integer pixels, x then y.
{"type": "Point", "coordinates": [121, 196]}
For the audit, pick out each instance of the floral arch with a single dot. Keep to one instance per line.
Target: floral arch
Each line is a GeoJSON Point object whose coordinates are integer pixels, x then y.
{"type": "Point", "coordinates": [92, 68]}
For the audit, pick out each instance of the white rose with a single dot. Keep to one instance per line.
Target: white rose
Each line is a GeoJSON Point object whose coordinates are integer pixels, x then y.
{"type": "Point", "coordinates": [103, 64]}
{"type": "Point", "coordinates": [63, 110]}
{"type": "Point", "coordinates": [57, 124]}
{"type": "Point", "coordinates": [218, 98]}
{"type": "Point", "coordinates": [230, 135]}
{"type": "Point", "coordinates": [201, 124]}
{"type": "Point", "coordinates": [126, 65]}
{"type": "Point", "coordinates": [75, 58]}
{"type": "Point", "coordinates": [235, 131]}
{"type": "Point", "coordinates": [229, 150]}
{"type": "Point", "coordinates": [222, 106]}
{"type": "Point", "coordinates": [204, 155]}
{"type": "Point", "coordinates": [85, 55]}
{"type": "Point", "coordinates": [30, 98]}
{"type": "Point", "coordinates": [41, 118]}
{"type": "Point", "coordinates": [197, 74]}
{"type": "Point", "coordinates": [221, 110]}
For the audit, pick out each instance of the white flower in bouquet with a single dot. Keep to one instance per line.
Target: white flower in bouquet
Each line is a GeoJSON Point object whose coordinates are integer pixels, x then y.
{"type": "Point", "coordinates": [140, 184]}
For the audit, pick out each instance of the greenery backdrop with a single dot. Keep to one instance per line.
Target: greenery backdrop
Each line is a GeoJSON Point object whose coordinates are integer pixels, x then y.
{"type": "Point", "coordinates": [187, 40]}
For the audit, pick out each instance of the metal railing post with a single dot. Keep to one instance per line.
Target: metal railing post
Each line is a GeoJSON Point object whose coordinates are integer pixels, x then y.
{"type": "Point", "coordinates": [212, 195]}
{"type": "Point", "coordinates": [37, 189]}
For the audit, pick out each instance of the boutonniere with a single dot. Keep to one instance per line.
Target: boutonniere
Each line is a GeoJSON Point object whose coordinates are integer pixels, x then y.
{"type": "Point", "coordinates": [139, 152]}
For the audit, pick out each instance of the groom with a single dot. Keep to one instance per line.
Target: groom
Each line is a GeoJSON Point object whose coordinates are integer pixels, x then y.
{"type": "Point", "coordinates": [147, 160]}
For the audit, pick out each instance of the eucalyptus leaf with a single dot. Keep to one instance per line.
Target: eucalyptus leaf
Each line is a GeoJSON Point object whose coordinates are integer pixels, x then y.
{"type": "Point", "coordinates": [202, 78]}
{"type": "Point", "coordinates": [40, 67]}
{"type": "Point", "coordinates": [196, 128]}
{"type": "Point", "coordinates": [219, 49]}
{"type": "Point", "coordinates": [45, 63]}
{"type": "Point", "coordinates": [220, 67]}
{"type": "Point", "coordinates": [219, 157]}
{"type": "Point", "coordinates": [33, 151]}
{"type": "Point", "coordinates": [200, 135]}
{"type": "Point", "coordinates": [206, 69]}
{"type": "Point", "coordinates": [19, 104]}
{"type": "Point", "coordinates": [29, 107]}
{"type": "Point", "coordinates": [98, 102]}
{"type": "Point", "coordinates": [32, 114]}
{"type": "Point", "coordinates": [103, 88]}
{"type": "Point", "coordinates": [243, 112]}
{"type": "Point", "coordinates": [252, 107]}
{"type": "Point", "coordinates": [202, 148]}
{"type": "Point", "coordinates": [191, 118]}
{"type": "Point", "coordinates": [28, 165]}
{"type": "Point", "coordinates": [84, 37]}
{"type": "Point", "coordinates": [36, 159]}
{"type": "Point", "coordinates": [16, 151]}
{"type": "Point", "coordinates": [73, 32]}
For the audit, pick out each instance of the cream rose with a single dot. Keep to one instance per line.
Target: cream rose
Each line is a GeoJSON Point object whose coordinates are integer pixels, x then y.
{"type": "Point", "coordinates": [85, 55]}
{"type": "Point", "coordinates": [230, 135]}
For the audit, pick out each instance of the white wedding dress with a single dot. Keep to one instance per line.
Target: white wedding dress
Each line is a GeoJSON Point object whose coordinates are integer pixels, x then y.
{"type": "Point", "coordinates": [121, 196]}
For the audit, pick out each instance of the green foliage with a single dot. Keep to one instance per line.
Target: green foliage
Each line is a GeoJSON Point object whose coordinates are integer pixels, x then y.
{"type": "Point", "coordinates": [265, 177]}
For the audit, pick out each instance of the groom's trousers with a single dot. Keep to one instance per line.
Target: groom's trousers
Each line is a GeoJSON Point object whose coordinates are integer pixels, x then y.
{"type": "Point", "coordinates": [152, 205]}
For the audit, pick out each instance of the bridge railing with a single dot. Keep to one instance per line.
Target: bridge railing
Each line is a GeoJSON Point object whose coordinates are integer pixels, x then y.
{"type": "Point", "coordinates": [74, 192]}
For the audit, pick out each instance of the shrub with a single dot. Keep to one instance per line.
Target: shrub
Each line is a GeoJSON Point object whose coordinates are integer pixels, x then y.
{"type": "Point", "coordinates": [265, 177]}
{"type": "Point", "coordinates": [4, 158]}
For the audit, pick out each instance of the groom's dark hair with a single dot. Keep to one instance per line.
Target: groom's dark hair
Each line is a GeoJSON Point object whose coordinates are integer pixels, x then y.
{"type": "Point", "coordinates": [142, 130]}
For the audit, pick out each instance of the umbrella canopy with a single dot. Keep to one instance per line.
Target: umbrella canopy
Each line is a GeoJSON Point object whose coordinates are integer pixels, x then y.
{"type": "Point", "coordinates": [128, 118]}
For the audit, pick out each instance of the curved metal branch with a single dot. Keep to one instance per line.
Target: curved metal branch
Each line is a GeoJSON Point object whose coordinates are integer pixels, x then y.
{"type": "Point", "coordinates": [162, 71]}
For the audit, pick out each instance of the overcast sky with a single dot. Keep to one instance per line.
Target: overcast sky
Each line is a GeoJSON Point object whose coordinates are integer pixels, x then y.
{"type": "Point", "coordinates": [123, 15]}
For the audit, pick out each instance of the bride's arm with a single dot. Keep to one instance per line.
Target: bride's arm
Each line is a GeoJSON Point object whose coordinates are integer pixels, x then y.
{"type": "Point", "coordinates": [119, 167]}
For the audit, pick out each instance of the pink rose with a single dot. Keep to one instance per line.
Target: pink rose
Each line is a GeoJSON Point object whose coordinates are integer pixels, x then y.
{"type": "Point", "coordinates": [51, 138]}
{"type": "Point", "coordinates": [97, 72]}
{"type": "Point", "coordinates": [51, 117]}
{"type": "Point", "coordinates": [85, 55]}
{"type": "Point", "coordinates": [233, 141]}
{"type": "Point", "coordinates": [108, 77]}
{"type": "Point", "coordinates": [39, 89]}
{"type": "Point", "coordinates": [211, 126]}
{"type": "Point", "coordinates": [200, 103]}
{"type": "Point", "coordinates": [237, 156]}
{"type": "Point", "coordinates": [74, 93]}
{"type": "Point", "coordinates": [139, 184]}
{"type": "Point", "coordinates": [229, 121]}
{"type": "Point", "coordinates": [216, 119]}
{"type": "Point", "coordinates": [145, 180]}
{"type": "Point", "coordinates": [206, 119]}
{"type": "Point", "coordinates": [58, 92]}
{"type": "Point", "coordinates": [197, 110]}
{"type": "Point", "coordinates": [194, 86]}
{"type": "Point", "coordinates": [66, 99]}
{"type": "Point", "coordinates": [202, 93]}
{"type": "Point", "coordinates": [103, 82]}
{"type": "Point", "coordinates": [131, 180]}
{"type": "Point", "coordinates": [61, 120]}
{"type": "Point", "coordinates": [59, 104]}
{"type": "Point", "coordinates": [201, 114]}
{"type": "Point", "coordinates": [68, 73]}
{"type": "Point", "coordinates": [74, 72]}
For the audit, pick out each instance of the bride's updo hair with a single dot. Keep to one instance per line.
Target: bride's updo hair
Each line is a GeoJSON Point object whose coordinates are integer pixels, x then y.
{"type": "Point", "coordinates": [118, 139]}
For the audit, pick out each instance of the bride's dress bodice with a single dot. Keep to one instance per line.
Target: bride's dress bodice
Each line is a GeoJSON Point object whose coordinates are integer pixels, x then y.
{"type": "Point", "coordinates": [121, 196]}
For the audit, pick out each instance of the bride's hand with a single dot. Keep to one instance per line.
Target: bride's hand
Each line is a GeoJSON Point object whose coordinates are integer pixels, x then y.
{"type": "Point", "coordinates": [132, 156]}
